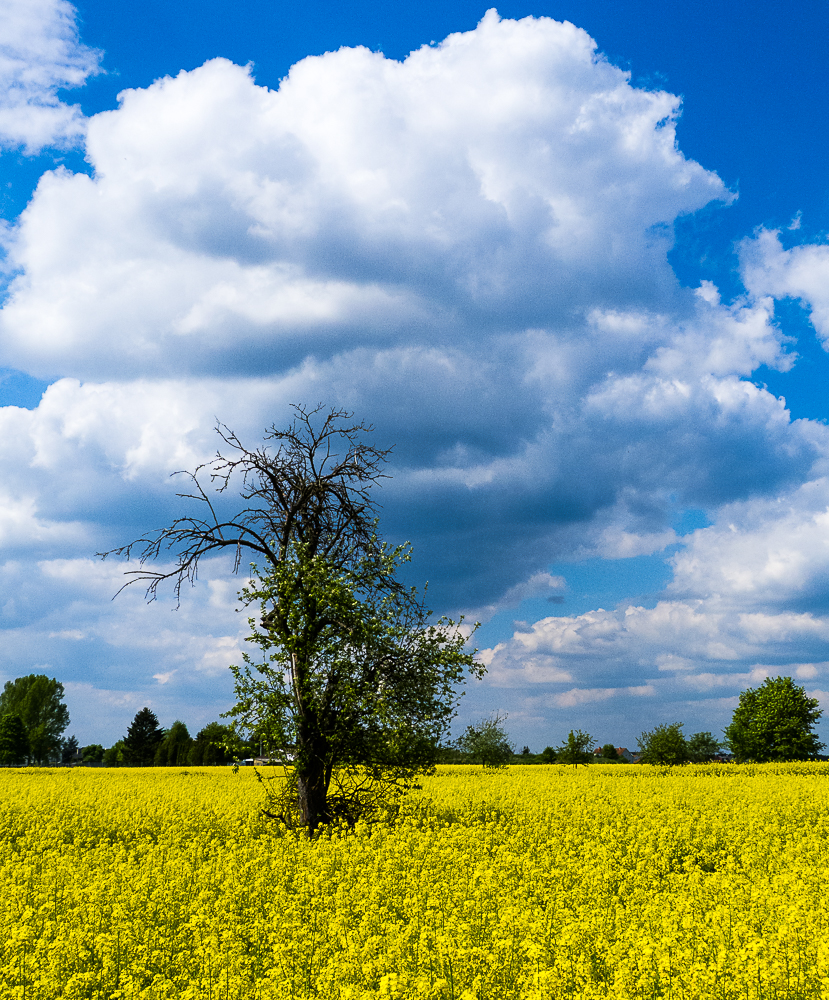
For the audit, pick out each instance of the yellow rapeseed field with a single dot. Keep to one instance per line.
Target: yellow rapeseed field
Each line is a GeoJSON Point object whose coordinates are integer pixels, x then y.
{"type": "Point", "coordinates": [537, 882]}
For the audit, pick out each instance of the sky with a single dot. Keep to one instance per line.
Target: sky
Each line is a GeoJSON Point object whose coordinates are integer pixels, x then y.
{"type": "Point", "coordinates": [569, 259]}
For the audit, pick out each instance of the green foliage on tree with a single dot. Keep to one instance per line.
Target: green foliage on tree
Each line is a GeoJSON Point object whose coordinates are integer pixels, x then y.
{"type": "Point", "coordinates": [610, 754]}
{"type": "Point", "coordinates": [37, 699]}
{"type": "Point", "coordinates": [93, 754]}
{"type": "Point", "coordinates": [774, 722]}
{"type": "Point", "coordinates": [144, 736]}
{"type": "Point", "coordinates": [14, 744]}
{"type": "Point", "coordinates": [667, 744]}
{"type": "Point", "coordinates": [664, 744]}
{"type": "Point", "coordinates": [702, 748]}
{"type": "Point", "coordinates": [487, 743]}
{"type": "Point", "coordinates": [356, 680]}
{"type": "Point", "coordinates": [548, 755]}
{"type": "Point", "coordinates": [215, 744]}
{"type": "Point", "coordinates": [174, 749]}
{"type": "Point", "coordinates": [575, 750]}
{"type": "Point", "coordinates": [115, 756]}
{"type": "Point", "coordinates": [69, 749]}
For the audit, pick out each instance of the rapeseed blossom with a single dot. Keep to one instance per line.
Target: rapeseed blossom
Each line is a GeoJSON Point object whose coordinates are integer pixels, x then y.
{"type": "Point", "coordinates": [535, 883]}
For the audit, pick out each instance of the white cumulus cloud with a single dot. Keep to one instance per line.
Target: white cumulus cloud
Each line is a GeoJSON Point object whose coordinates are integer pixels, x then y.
{"type": "Point", "coordinates": [40, 53]}
{"type": "Point", "coordinates": [801, 272]}
{"type": "Point", "coordinates": [504, 178]}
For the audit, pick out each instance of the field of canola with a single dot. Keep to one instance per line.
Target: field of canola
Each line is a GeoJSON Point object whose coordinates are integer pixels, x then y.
{"type": "Point", "coordinates": [536, 883]}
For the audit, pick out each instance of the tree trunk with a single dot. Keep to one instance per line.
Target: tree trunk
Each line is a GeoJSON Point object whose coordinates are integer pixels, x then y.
{"type": "Point", "coordinates": [312, 789]}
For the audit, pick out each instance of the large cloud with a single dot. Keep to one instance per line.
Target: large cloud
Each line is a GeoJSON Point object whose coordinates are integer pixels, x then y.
{"type": "Point", "coordinates": [40, 53]}
{"type": "Point", "coordinates": [503, 180]}
{"type": "Point", "coordinates": [468, 248]}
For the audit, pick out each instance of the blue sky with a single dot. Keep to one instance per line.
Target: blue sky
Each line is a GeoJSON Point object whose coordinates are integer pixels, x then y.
{"type": "Point", "coordinates": [569, 259]}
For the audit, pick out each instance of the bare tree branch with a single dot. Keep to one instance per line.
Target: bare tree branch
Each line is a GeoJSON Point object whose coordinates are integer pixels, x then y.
{"type": "Point", "coordinates": [310, 484]}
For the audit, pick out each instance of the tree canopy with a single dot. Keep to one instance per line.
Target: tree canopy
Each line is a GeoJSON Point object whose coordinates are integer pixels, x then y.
{"type": "Point", "coordinates": [214, 744]}
{"type": "Point", "coordinates": [667, 744]}
{"type": "Point", "coordinates": [114, 756]}
{"type": "Point", "coordinates": [703, 748]}
{"type": "Point", "coordinates": [611, 754]}
{"type": "Point", "coordinates": [774, 722]}
{"type": "Point", "coordinates": [144, 736]}
{"type": "Point", "coordinates": [487, 743]}
{"type": "Point", "coordinates": [574, 750]}
{"type": "Point", "coordinates": [93, 753]}
{"type": "Point", "coordinates": [354, 675]}
{"type": "Point", "coordinates": [174, 749]}
{"type": "Point", "coordinates": [38, 701]}
{"type": "Point", "coordinates": [69, 749]}
{"type": "Point", "coordinates": [14, 744]}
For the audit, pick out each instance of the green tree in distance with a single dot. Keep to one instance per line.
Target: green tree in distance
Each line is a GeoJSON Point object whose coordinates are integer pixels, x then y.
{"type": "Point", "coordinates": [69, 749]}
{"type": "Point", "coordinates": [487, 743]}
{"type": "Point", "coordinates": [664, 744]}
{"type": "Point", "coordinates": [214, 744]}
{"type": "Point", "coordinates": [143, 738]}
{"type": "Point", "coordinates": [355, 677]}
{"type": "Point", "coordinates": [609, 753]}
{"type": "Point", "coordinates": [14, 744]}
{"type": "Point", "coordinates": [774, 722]}
{"type": "Point", "coordinates": [37, 699]}
{"type": "Point", "coordinates": [667, 744]}
{"type": "Point", "coordinates": [93, 754]}
{"type": "Point", "coordinates": [174, 749]}
{"type": "Point", "coordinates": [575, 750]}
{"type": "Point", "coordinates": [703, 748]}
{"type": "Point", "coordinates": [115, 755]}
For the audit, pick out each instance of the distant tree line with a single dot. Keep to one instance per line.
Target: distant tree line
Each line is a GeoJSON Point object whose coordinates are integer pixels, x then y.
{"type": "Point", "coordinates": [774, 722]}
{"type": "Point", "coordinates": [33, 718]}
{"type": "Point", "coordinates": [146, 744]}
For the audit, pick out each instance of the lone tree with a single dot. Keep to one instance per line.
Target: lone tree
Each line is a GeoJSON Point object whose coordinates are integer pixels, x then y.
{"type": "Point", "coordinates": [574, 749]}
{"type": "Point", "coordinates": [38, 700]}
{"type": "Point", "coordinates": [774, 722]}
{"type": "Point", "coordinates": [355, 680]}
{"type": "Point", "coordinates": [487, 743]}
